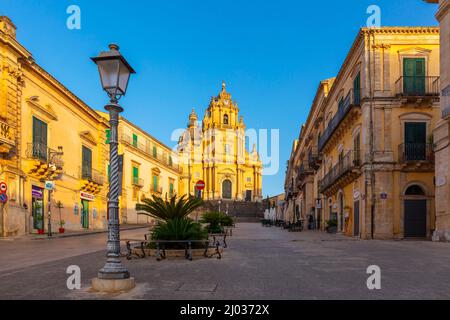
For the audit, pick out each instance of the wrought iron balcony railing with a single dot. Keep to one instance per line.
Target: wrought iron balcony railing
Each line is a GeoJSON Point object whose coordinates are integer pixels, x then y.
{"type": "Point", "coordinates": [415, 152]}
{"type": "Point", "coordinates": [166, 160]}
{"type": "Point", "coordinates": [352, 99]}
{"type": "Point", "coordinates": [40, 151]}
{"type": "Point", "coordinates": [156, 189]}
{"type": "Point", "coordinates": [92, 175]}
{"type": "Point", "coordinates": [314, 158]}
{"type": "Point", "coordinates": [417, 86]}
{"type": "Point", "coordinates": [349, 162]}
{"type": "Point", "coordinates": [138, 182]}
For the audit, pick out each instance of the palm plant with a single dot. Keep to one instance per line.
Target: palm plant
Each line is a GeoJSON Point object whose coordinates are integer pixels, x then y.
{"type": "Point", "coordinates": [179, 229]}
{"type": "Point", "coordinates": [171, 209]}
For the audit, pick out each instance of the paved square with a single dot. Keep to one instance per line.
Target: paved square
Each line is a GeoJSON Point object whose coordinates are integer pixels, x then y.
{"type": "Point", "coordinates": [260, 263]}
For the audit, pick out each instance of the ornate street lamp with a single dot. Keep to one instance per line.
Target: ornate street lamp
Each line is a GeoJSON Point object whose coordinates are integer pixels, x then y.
{"type": "Point", "coordinates": [114, 74]}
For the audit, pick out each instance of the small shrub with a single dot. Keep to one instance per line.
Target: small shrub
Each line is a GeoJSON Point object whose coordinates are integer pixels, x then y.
{"type": "Point", "coordinates": [179, 229]}
{"type": "Point", "coordinates": [216, 221]}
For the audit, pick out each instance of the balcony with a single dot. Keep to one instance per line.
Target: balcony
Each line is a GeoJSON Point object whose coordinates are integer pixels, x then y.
{"type": "Point", "coordinates": [42, 153]}
{"type": "Point", "coordinates": [351, 101]}
{"type": "Point", "coordinates": [314, 158]}
{"type": "Point", "coordinates": [7, 139]}
{"type": "Point", "coordinates": [415, 153]}
{"type": "Point", "coordinates": [156, 189]}
{"type": "Point", "coordinates": [149, 152]}
{"type": "Point", "coordinates": [138, 182]}
{"type": "Point", "coordinates": [343, 173]}
{"type": "Point", "coordinates": [417, 89]}
{"type": "Point", "coordinates": [93, 176]}
{"type": "Point", "coordinates": [303, 171]}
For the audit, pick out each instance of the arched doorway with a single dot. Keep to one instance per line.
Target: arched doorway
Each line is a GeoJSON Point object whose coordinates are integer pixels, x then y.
{"type": "Point", "coordinates": [226, 189]}
{"type": "Point", "coordinates": [415, 212]}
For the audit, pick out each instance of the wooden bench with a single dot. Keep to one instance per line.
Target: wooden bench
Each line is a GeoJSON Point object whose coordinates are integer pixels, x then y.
{"type": "Point", "coordinates": [161, 247]}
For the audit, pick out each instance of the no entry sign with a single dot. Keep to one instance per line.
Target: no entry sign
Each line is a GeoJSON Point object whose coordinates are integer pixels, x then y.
{"type": "Point", "coordinates": [200, 185]}
{"type": "Point", "coordinates": [3, 187]}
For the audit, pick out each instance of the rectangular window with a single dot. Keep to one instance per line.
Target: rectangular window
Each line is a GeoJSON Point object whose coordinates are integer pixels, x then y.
{"type": "Point", "coordinates": [135, 140]}
{"type": "Point", "coordinates": [170, 161]}
{"type": "Point", "coordinates": [171, 188]}
{"type": "Point", "coordinates": [415, 141]}
{"type": "Point", "coordinates": [155, 183]}
{"type": "Point", "coordinates": [135, 175]}
{"type": "Point", "coordinates": [414, 76]}
{"type": "Point", "coordinates": [86, 163]}
{"type": "Point", "coordinates": [357, 89]}
{"type": "Point", "coordinates": [227, 149]}
{"type": "Point", "coordinates": [39, 139]}
{"type": "Point", "coordinates": [155, 152]}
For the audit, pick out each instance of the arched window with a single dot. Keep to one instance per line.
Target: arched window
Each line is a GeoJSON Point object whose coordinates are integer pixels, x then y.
{"type": "Point", "coordinates": [414, 190]}
{"type": "Point", "coordinates": [225, 119]}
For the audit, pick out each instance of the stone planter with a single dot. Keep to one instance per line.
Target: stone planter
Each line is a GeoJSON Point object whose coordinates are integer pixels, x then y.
{"type": "Point", "coordinates": [332, 229]}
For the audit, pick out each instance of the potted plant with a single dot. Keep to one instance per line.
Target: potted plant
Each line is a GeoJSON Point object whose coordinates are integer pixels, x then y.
{"type": "Point", "coordinates": [61, 226]}
{"type": "Point", "coordinates": [331, 226]}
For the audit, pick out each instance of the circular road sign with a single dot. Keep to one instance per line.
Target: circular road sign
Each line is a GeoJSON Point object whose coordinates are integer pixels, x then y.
{"type": "Point", "coordinates": [3, 187]}
{"type": "Point", "coordinates": [200, 185]}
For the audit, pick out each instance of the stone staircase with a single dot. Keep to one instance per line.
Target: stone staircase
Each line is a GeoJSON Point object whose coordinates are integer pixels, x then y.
{"type": "Point", "coordinates": [240, 210]}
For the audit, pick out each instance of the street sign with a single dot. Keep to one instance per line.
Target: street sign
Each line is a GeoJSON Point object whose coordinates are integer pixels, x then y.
{"type": "Point", "coordinates": [3, 198]}
{"type": "Point", "coordinates": [200, 185]}
{"type": "Point", "coordinates": [49, 185]}
{"type": "Point", "coordinates": [3, 187]}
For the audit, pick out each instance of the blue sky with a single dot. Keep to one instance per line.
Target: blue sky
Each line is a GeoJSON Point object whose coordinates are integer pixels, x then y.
{"type": "Point", "coordinates": [272, 54]}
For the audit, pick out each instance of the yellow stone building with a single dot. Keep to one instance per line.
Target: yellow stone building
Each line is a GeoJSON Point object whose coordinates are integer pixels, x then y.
{"type": "Point", "coordinates": [215, 152]}
{"type": "Point", "coordinates": [365, 157]}
{"type": "Point", "coordinates": [47, 134]}
{"type": "Point", "coordinates": [148, 168]}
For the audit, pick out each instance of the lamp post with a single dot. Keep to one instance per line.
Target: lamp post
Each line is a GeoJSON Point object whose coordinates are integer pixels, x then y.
{"type": "Point", "coordinates": [114, 75]}
{"type": "Point", "coordinates": [51, 156]}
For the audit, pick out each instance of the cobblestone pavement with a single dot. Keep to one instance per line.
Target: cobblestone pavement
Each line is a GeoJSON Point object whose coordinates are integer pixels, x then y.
{"type": "Point", "coordinates": [260, 263]}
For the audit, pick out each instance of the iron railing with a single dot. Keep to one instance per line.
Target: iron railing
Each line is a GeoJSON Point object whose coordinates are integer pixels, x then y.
{"type": "Point", "coordinates": [40, 151]}
{"type": "Point", "coordinates": [413, 152]}
{"type": "Point", "coordinates": [138, 182]}
{"type": "Point", "coordinates": [349, 162]}
{"type": "Point", "coordinates": [314, 158]}
{"type": "Point", "coordinates": [352, 99]}
{"type": "Point", "coordinates": [417, 86]}
{"type": "Point", "coordinates": [166, 160]}
{"type": "Point", "coordinates": [92, 175]}
{"type": "Point", "coordinates": [156, 189]}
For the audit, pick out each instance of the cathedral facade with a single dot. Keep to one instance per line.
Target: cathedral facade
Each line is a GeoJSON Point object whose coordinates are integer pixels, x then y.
{"type": "Point", "coordinates": [214, 157]}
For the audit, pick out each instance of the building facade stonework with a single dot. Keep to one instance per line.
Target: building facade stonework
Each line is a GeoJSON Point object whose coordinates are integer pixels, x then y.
{"type": "Point", "coordinates": [214, 152]}
{"type": "Point", "coordinates": [442, 130]}
{"type": "Point", "coordinates": [364, 160]}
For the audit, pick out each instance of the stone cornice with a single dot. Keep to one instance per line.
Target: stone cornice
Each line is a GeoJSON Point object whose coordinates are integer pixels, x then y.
{"type": "Point", "coordinates": [47, 109]}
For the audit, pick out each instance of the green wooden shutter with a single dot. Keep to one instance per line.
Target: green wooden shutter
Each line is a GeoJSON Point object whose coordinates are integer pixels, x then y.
{"type": "Point", "coordinates": [86, 162]}
{"type": "Point", "coordinates": [39, 139]}
{"type": "Point", "coordinates": [155, 183]}
{"type": "Point", "coordinates": [135, 174]}
{"type": "Point", "coordinates": [414, 76]}
{"type": "Point", "coordinates": [171, 189]}
{"type": "Point", "coordinates": [135, 140]}
{"type": "Point", "coordinates": [357, 89]}
{"type": "Point", "coordinates": [155, 152]}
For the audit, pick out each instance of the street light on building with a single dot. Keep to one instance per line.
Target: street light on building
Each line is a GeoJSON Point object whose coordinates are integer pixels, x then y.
{"type": "Point", "coordinates": [114, 75]}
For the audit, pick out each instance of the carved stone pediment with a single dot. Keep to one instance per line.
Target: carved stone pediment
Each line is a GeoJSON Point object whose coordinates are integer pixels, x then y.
{"type": "Point", "coordinates": [46, 110]}
{"type": "Point", "coordinates": [89, 137]}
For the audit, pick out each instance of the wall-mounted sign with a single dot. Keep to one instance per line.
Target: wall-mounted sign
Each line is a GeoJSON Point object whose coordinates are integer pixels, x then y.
{"type": "Point", "coordinates": [319, 204]}
{"type": "Point", "coordinates": [37, 192]}
{"type": "Point", "coordinates": [3, 198]}
{"type": "Point", "coordinates": [356, 195]}
{"type": "Point", "coordinates": [49, 185]}
{"type": "Point", "coordinates": [200, 185]}
{"type": "Point", "coordinates": [87, 196]}
{"type": "Point", "coordinates": [3, 187]}
{"type": "Point", "coordinates": [441, 181]}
